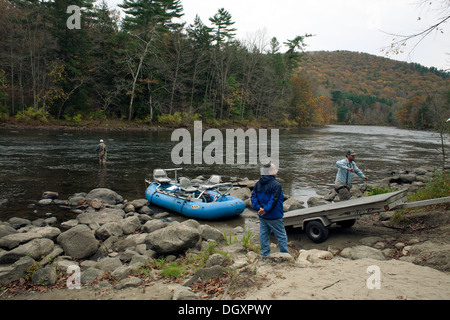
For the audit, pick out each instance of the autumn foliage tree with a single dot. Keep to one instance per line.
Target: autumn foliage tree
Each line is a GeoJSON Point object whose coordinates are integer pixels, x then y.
{"type": "Point", "coordinates": [413, 114]}
{"type": "Point", "coordinates": [308, 110]}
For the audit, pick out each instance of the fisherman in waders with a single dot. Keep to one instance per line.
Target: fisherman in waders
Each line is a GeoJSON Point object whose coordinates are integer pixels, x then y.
{"type": "Point", "coordinates": [346, 168]}
{"type": "Point", "coordinates": [101, 151]}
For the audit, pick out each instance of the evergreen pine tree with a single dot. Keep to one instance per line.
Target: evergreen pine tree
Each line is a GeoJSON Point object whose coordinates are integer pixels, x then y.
{"type": "Point", "coordinates": [223, 26]}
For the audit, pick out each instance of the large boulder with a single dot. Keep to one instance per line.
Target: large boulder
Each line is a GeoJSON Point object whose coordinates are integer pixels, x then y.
{"type": "Point", "coordinates": [210, 233]}
{"type": "Point", "coordinates": [153, 225]}
{"type": "Point", "coordinates": [435, 255]}
{"type": "Point", "coordinates": [103, 217]}
{"type": "Point", "coordinates": [174, 238]}
{"type": "Point", "coordinates": [6, 229]}
{"type": "Point", "coordinates": [16, 271]}
{"type": "Point", "coordinates": [36, 249]}
{"type": "Point", "coordinates": [78, 242]}
{"type": "Point", "coordinates": [407, 178]}
{"type": "Point", "coordinates": [107, 195]}
{"type": "Point", "coordinates": [18, 223]}
{"type": "Point", "coordinates": [292, 204]}
{"type": "Point", "coordinates": [108, 230]}
{"type": "Point", "coordinates": [241, 193]}
{"type": "Point", "coordinates": [13, 240]}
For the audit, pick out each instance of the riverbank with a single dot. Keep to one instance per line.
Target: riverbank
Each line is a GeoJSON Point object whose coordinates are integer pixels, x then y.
{"type": "Point", "coordinates": [111, 242]}
{"type": "Point", "coordinates": [124, 125]}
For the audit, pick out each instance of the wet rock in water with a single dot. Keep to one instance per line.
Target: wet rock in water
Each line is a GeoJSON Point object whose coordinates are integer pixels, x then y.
{"type": "Point", "coordinates": [45, 202]}
{"type": "Point", "coordinates": [145, 210]}
{"type": "Point", "coordinates": [76, 200]}
{"type": "Point", "coordinates": [50, 195]}
{"type": "Point", "coordinates": [139, 203]}
{"type": "Point", "coordinates": [18, 223]}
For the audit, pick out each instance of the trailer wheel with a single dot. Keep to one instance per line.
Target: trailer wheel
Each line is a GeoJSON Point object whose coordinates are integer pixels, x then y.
{"type": "Point", "coordinates": [316, 231]}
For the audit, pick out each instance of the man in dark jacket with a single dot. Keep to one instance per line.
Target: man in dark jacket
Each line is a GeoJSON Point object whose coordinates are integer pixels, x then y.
{"type": "Point", "coordinates": [267, 198]}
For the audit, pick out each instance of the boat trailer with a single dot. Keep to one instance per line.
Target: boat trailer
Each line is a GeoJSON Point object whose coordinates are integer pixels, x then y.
{"type": "Point", "coordinates": [316, 220]}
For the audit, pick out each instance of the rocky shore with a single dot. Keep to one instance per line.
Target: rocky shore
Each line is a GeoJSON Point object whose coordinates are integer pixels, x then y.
{"type": "Point", "coordinates": [112, 245]}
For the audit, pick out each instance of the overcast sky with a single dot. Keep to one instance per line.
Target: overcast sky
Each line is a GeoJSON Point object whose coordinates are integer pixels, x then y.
{"type": "Point", "coordinates": [354, 25]}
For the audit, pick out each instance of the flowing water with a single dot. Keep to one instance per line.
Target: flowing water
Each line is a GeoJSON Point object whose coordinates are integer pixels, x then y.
{"type": "Point", "coordinates": [34, 161]}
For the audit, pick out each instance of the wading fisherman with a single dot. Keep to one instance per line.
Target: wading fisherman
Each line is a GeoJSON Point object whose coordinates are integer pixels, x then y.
{"type": "Point", "coordinates": [346, 168]}
{"type": "Point", "coordinates": [267, 198]}
{"type": "Point", "coordinates": [101, 151]}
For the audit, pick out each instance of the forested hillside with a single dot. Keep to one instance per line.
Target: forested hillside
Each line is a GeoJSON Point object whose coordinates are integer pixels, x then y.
{"type": "Point", "coordinates": [63, 65]}
{"type": "Point", "coordinates": [370, 89]}
{"type": "Point", "coordinates": [71, 61]}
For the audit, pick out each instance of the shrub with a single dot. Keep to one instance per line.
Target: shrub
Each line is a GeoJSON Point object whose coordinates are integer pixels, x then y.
{"type": "Point", "coordinates": [378, 190]}
{"type": "Point", "coordinates": [437, 187]}
{"type": "Point", "coordinates": [32, 114]}
{"type": "Point", "coordinates": [178, 119]}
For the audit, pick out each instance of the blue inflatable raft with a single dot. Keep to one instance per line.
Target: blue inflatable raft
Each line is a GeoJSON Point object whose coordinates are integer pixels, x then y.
{"type": "Point", "coordinates": [205, 202]}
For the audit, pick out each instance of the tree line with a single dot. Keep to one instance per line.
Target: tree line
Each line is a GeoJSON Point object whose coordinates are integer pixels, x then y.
{"type": "Point", "coordinates": [148, 66]}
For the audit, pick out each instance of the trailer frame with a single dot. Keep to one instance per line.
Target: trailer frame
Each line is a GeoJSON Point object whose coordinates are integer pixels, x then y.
{"type": "Point", "coordinates": [316, 220]}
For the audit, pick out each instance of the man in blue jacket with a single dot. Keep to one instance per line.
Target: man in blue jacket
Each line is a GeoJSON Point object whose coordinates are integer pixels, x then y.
{"type": "Point", "coordinates": [346, 168]}
{"type": "Point", "coordinates": [267, 198]}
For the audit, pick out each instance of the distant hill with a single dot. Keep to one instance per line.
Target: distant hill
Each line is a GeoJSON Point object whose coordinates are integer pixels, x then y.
{"type": "Point", "coordinates": [356, 82]}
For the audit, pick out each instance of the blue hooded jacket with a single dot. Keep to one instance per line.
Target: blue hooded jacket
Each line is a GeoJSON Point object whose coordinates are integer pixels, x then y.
{"type": "Point", "coordinates": [268, 194]}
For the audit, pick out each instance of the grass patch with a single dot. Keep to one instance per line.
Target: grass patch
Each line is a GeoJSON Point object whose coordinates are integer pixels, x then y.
{"type": "Point", "coordinates": [378, 190]}
{"type": "Point", "coordinates": [183, 266]}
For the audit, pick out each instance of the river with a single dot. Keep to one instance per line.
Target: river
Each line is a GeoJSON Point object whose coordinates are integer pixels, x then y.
{"type": "Point", "coordinates": [34, 161]}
